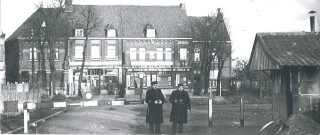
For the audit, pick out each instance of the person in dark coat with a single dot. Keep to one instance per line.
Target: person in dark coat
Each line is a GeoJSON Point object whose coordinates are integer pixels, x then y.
{"type": "Point", "coordinates": [180, 105]}
{"type": "Point", "coordinates": [155, 100]}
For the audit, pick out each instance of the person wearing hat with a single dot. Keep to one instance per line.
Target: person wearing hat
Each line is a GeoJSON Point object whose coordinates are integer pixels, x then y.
{"type": "Point", "coordinates": [180, 106]}
{"type": "Point", "coordinates": [155, 100]}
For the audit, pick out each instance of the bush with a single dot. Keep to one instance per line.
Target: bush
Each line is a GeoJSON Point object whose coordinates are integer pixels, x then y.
{"type": "Point", "coordinates": [45, 98]}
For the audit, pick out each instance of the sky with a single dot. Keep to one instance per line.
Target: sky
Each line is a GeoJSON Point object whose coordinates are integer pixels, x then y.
{"type": "Point", "coordinates": [244, 17]}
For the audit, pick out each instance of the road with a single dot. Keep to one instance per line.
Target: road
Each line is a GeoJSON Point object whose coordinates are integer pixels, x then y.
{"type": "Point", "coordinates": [130, 119]}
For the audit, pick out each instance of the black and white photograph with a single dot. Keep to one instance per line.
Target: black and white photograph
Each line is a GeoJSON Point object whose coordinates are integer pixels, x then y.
{"type": "Point", "coordinates": [135, 67]}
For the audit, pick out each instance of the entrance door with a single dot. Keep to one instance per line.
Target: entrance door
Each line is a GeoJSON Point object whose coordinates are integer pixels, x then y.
{"type": "Point", "coordinates": [286, 86]}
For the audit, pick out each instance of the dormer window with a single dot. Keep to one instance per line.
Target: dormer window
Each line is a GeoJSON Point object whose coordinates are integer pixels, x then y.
{"type": "Point", "coordinates": [150, 31]}
{"type": "Point", "coordinates": [79, 33]}
{"type": "Point", "coordinates": [110, 31]}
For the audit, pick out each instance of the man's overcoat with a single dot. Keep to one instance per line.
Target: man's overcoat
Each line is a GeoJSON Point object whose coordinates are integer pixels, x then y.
{"type": "Point", "coordinates": [154, 111]}
{"type": "Point", "coordinates": [180, 104]}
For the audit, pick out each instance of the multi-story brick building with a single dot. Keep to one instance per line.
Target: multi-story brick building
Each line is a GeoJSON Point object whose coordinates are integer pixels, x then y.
{"type": "Point", "coordinates": [131, 41]}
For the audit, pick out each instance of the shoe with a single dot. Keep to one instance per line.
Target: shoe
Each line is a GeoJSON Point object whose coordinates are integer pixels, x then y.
{"type": "Point", "coordinates": [159, 132]}
{"type": "Point", "coordinates": [181, 132]}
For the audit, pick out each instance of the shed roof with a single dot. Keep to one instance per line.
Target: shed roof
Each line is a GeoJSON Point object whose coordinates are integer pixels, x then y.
{"type": "Point", "coordinates": [287, 49]}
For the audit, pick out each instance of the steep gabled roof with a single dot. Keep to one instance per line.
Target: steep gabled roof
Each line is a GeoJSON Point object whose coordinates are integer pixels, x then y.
{"type": "Point", "coordinates": [276, 50]}
{"type": "Point", "coordinates": [129, 20]}
{"type": "Point", "coordinates": [110, 27]}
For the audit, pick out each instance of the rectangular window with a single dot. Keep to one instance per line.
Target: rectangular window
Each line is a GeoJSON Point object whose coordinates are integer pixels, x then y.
{"type": "Point", "coordinates": [142, 54]}
{"type": "Point", "coordinates": [213, 74]}
{"type": "Point", "coordinates": [56, 53]}
{"type": "Point", "coordinates": [79, 33]}
{"type": "Point", "coordinates": [183, 53]}
{"type": "Point", "coordinates": [133, 54]}
{"type": "Point", "coordinates": [111, 52]}
{"type": "Point", "coordinates": [151, 33]}
{"type": "Point", "coordinates": [95, 49]}
{"type": "Point", "coordinates": [197, 54]}
{"type": "Point", "coordinates": [152, 56]}
{"type": "Point", "coordinates": [168, 54]}
{"type": "Point", "coordinates": [78, 52]}
{"type": "Point", "coordinates": [215, 57]}
{"type": "Point", "coordinates": [111, 33]}
{"type": "Point", "coordinates": [95, 52]}
{"type": "Point", "coordinates": [159, 53]}
{"type": "Point", "coordinates": [34, 53]}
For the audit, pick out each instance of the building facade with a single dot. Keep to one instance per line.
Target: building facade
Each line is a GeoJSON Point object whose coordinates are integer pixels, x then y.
{"type": "Point", "coordinates": [131, 44]}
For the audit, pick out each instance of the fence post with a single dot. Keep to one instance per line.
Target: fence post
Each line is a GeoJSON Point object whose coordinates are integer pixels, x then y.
{"type": "Point", "coordinates": [241, 113]}
{"type": "Point", "coordinates": [210, 112]}
{"type": "Point", "coordinates": [25, 117]}
{"type": "Point", "coordinates": [210, 108]}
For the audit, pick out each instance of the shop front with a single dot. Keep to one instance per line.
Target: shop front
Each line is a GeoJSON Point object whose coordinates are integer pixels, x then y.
{"type": "Point", "coordinates": [95, 78]}
{"type": "Point", "coordinates": [167, 78]}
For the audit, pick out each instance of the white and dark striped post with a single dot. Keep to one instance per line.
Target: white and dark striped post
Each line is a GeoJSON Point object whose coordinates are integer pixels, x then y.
{"type": "Point", "coordinates": [210, 109]}
{"type": "Point", "coordinates": [241, 113]}
{"type": "Point", "coordinates": [26, 118]}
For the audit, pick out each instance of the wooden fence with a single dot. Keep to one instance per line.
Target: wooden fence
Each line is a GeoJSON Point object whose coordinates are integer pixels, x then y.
{"type": "Point", "coordinates": [18, 93]}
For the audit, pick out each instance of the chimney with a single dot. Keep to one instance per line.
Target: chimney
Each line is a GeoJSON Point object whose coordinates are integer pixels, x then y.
{"type": "Point", "coordinates": [68, 6]}
{"type": "Point", "coordinates": [183, 6]}
{"type": "Point", "coordinates": [218, 10]}
{"type": "Point", "coordinates": [312, 20]}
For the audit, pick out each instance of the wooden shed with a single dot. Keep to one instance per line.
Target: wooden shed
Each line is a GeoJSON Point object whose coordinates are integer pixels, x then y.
{"type": "Point", "coordinates": [293, 61]}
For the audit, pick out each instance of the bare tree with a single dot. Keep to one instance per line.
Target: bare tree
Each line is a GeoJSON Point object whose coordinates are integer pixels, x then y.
{"type": "Point", "coordinates": [212, 34]}
{"type": "Point", "coordinates": [37, 35]}
{"type": "Point", "coordinates": [54, 22]}
{"type": "Point", "coordinates": [89, 16]}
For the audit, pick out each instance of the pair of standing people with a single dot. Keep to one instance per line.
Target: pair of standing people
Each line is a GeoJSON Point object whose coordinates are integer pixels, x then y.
{"type": "Point", "coordinates": [180, 104]}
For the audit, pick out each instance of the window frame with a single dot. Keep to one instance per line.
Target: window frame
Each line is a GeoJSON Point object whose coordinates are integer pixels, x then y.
{"type": "Point", "coordinates": [142, 54]}
{"type": "Point", "coordinates": [79, 32]}
{"type": "Point", "coordinates": [34, 53]}
{"type": "Point", "coordinates": [151, 33]}
{"type": "Point", "coordinates": [78, 51]}
{"type": "Point", "coordinates": [113, 31]}
{"type": "Point", "coordinates": [133, 54]}
{"type": "Point", "coordinates": [183, 53]}
{"type": "Point", "coordinates": [111, 49]}
{"type": "Point", "coordinates": [168, 54]}
{"type": "Point", "coordinates": [160, 54]}
{"type": "Point", "coordinates": [197, 54]}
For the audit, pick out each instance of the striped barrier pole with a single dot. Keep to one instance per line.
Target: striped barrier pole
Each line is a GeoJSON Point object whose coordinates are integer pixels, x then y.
{"type": "Point", "coordinates": [210, 109]}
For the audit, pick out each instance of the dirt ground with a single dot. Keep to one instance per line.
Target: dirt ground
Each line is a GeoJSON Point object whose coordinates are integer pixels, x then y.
{"type": "Point", "coordinates": [226, 119]}
{"type": "Point", "coordinates": [130, 119]}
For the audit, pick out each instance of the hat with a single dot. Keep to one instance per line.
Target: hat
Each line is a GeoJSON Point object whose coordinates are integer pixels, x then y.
{"type": "Point", "coordinates": [180, 84]}
{"type": "Point", "coordinates": [154, 82]}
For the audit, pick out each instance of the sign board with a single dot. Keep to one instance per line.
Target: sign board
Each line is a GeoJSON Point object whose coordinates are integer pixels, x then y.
{"type": "Point", "coordinates": [10, 106]}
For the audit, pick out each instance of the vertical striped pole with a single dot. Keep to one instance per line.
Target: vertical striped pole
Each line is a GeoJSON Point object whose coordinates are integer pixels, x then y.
{"type": "Point", "coordinates": [241, 113]}
{"type": "Point", "coordinates": [210, 113]}
{"type": "Point", "coordinates": [25, 120]}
